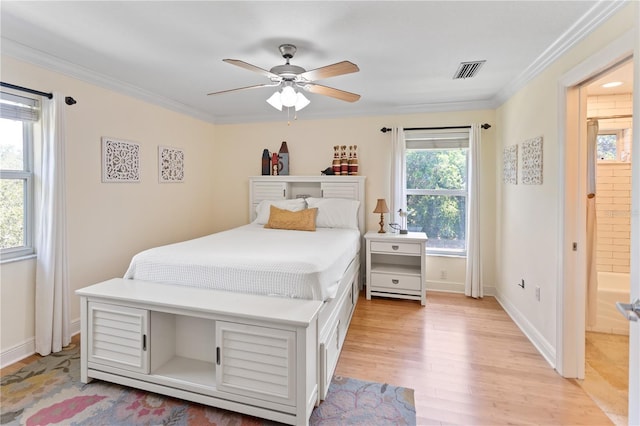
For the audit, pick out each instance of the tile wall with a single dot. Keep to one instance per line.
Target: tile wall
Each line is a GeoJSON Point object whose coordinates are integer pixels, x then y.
{"type": "Point", "coordinates": [613, 189]}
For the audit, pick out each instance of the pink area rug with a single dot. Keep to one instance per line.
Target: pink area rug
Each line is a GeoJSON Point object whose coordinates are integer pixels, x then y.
{"type": "Point", "coordinates": [49, 392]}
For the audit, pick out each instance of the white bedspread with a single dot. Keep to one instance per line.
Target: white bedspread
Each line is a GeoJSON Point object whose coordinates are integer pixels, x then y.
{"type": "Point", "coordinates": [252, 259]}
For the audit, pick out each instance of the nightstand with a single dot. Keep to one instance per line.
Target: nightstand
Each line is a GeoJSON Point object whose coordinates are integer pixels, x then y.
{"type": "Point", "coordinates": [396, 265]}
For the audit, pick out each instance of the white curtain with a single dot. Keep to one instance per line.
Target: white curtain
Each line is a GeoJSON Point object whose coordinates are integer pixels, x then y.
{"type": "Point", "coordinates": [52, 277]}
{"type": "Point", "coordinates": [473, 280]}
{"type": "Point", "coordinates": [398, 175]}
{"type": "Point", "coordinates": [592, 264]}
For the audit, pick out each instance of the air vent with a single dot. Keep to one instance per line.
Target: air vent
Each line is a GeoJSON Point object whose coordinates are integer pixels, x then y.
{"type": "Point", "coordinates": [468, 69]}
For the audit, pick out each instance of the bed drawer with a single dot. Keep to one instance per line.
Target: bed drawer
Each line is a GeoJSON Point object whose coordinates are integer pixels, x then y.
{"type": "Point", "coordinates": [382, 282]}
{"type": "Point", "coordinates": [329, 354]}
{"type": "Point", "coordinates": [345, 317]}
{"type": "Point", "coordinates": [391, 247]}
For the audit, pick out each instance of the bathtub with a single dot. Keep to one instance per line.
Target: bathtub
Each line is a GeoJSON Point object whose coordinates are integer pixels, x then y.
{"type": "Point", "coordinates": [612, 287]}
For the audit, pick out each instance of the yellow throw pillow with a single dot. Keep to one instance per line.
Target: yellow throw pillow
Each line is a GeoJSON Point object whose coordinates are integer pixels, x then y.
{"type": "Point", "coordinates": [302, 220]}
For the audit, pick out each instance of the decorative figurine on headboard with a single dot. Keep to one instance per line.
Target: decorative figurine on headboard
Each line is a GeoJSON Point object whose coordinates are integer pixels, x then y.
{"type": "Point", "coordinates": [274, 164]}
{"type": "Point", "coordinates": [283, 154]}
{"type": "Point", "coordinates": [266, 162]}
{"type": "Point", "coordinates": [336, 160]}
{"type": "Point", "coordinates": [353, 160]}
{"type": "Point", "coordinates": [344, 161]}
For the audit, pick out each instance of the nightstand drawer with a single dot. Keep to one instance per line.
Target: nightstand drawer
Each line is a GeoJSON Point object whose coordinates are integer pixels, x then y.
{"type": "Point", "coordinates": [400, 248]}
{"type": "Point", "coordinates": [395, 282]}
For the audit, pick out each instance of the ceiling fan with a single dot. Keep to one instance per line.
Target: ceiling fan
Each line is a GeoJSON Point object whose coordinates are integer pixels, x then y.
{"type": "Point", "coordinates": [290, 77]}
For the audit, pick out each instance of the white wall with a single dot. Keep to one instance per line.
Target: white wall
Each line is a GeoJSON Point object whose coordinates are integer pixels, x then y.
{"type": "Point", "coordinates": [109, 222]}
{"type": "Point", "coordinates": [528, 215]}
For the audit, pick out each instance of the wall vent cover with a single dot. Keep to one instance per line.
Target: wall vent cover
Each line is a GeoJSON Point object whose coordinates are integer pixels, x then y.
{"type": "Point", "coordinates": [468, 69]}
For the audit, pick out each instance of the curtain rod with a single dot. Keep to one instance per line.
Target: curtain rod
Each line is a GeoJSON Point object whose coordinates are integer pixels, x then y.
{"type": "Point", "coordinates": [68, 100]}
{"type": "Point", "coordinates": [609, 117]}
{"type": "Point", "coordinates": [484, 126]}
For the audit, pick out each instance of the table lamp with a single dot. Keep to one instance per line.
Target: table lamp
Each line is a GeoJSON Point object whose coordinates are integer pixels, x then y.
{"type": "Point", "coordinates": [381, 207]}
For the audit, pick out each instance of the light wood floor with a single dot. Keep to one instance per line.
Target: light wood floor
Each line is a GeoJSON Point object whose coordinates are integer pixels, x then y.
{"type": "Point", "coordinates": [607, 374]}
{"type": "Point", "coordinates": [468, 363]}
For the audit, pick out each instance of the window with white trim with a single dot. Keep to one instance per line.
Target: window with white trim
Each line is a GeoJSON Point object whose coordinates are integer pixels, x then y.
{"type": "Point", "coordinates": [437, 188]}
{"type": "Point", "coordinates": [614, 145]}
{"type": "Point", "coordinates": [18, 115]}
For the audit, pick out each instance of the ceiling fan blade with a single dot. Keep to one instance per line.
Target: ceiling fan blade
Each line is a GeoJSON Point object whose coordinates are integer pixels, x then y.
{"type": "Point", "coordinates": [257, 86]}
{"type": "Point", "coordinates": [340, 68]}
{"type": "Point", "coordinates": [330, 91]}
{"type": "Point", "coordinates": [248, 66]}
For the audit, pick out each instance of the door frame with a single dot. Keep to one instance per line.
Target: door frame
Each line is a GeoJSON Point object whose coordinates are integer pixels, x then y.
{"type": "Point", "coordinates": [571, 293]}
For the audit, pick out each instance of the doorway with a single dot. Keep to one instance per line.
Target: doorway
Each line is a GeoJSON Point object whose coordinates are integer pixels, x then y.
{"type": "Point", "coordinates": [571, 296]}
{"type": "Point", "coordinates": [609, 112]}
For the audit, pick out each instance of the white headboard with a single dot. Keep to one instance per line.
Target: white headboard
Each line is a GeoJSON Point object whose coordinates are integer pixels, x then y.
{"type": "Point", "coordinates": [286, 187]}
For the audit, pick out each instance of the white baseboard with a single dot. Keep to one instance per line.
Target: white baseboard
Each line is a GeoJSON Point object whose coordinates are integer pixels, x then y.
{"type": "Point", "coordinates": [28, 347]}
{"type": "Point", "coordinates": [455, 287]}
{"type": "Point", "coordinates": [445, 286]}
{"type": "Point", "coordinates": [18, 352]}
{"type": "Point", "coordinates": [541, 344]}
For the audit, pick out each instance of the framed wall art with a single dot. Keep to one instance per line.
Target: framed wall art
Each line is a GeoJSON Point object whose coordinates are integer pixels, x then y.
{"type": "Point", "coordinates": [510, 165]}
{"type": "Point", "coordinates": [170, 164]}
{"type": "Point", "coordinates": [532, 161]}
{"type": "Point", "coordinates": [120, 160]}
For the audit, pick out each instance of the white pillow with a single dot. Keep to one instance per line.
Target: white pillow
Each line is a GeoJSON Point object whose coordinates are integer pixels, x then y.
{"type": "Point", "coordinates": [264, 208]}
{"type": "Point", "coordinates": [335, 212]}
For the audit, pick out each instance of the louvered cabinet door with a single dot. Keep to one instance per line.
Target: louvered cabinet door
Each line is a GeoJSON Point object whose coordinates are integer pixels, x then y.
{"type": "Point", "coordinates": [258, 362]}
{"type": "Point", "coordinates": [118, 337]}
{"type": "Point", "coordinates": [347, 190]}
{"type": "Point", "coordinates": [267, 191]}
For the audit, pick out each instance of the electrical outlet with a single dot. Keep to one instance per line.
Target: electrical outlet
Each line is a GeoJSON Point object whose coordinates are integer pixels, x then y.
{"type": "Point", "coordinates": [538, 293]}
{"type": "Point", "coordinates": [443, 274]}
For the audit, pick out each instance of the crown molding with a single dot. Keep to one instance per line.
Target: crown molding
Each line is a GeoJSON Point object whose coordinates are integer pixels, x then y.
{"type": "Point", "coordinates": [45, 60]}
{"type": "Point", "coordinates": [591, 20]}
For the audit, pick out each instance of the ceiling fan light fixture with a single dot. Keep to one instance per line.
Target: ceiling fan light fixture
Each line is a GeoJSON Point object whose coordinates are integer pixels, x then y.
{"type": "Point", "coordinates": [275, 101]}
{"type": "Point", "coordinates": [288, 96]}
{"type": "Point", "coordinates": [301, 101]}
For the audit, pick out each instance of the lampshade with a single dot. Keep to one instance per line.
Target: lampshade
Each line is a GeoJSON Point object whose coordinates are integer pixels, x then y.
{"type": "Point", "coordinates": [275, 101]}
{"type": "Point", "coordinates": [381, 206]}
{"type": "Point", "coordinates": [301, 101]}
{"type": "Point", "coordinates": [288, 97]}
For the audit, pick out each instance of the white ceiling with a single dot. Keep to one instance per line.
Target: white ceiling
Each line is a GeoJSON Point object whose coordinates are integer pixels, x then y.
{"type": "Point", "coordinates": [171, 52]}
{"type": "Point", "coordinates": [622, 74]}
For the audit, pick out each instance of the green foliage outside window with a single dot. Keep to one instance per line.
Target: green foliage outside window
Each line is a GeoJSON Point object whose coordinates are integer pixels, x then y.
{"type": "Point", "coordinates": [12, 190]}
{"type": "Point", "coordinates": [435, 178]}
{"type": "Point", "coordinates": [607, 147]}
{"type": "Point", "coordinates": [11, 213]}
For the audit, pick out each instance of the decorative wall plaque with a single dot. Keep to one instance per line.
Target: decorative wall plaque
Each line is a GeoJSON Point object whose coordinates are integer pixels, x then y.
{"type": "Point", "coordinates": [510, 165]}
{"type": "Point", "coordinates": [170, 164]}
{"type": "Point", "coordinates": [532, 161]}
{"type": "Point", "coordinates": [120, 161]}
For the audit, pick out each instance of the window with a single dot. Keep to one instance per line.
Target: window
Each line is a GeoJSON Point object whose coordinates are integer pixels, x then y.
{"type": "Point", "coordinates": [613, 145]}
{"type": "Point", "coordinates": [18, 115]}
{"type": "Point", "coordinates": [436, 188]}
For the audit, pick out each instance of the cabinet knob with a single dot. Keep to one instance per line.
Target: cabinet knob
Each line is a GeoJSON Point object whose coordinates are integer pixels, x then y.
{"type": "Point", "coordinates": [395, 281]}
{"type": "Point", "coordinates": [395, 247]}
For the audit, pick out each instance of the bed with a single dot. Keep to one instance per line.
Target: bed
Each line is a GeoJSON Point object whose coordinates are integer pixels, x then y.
{"type": "Point", "coordinates": [279, 301]}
